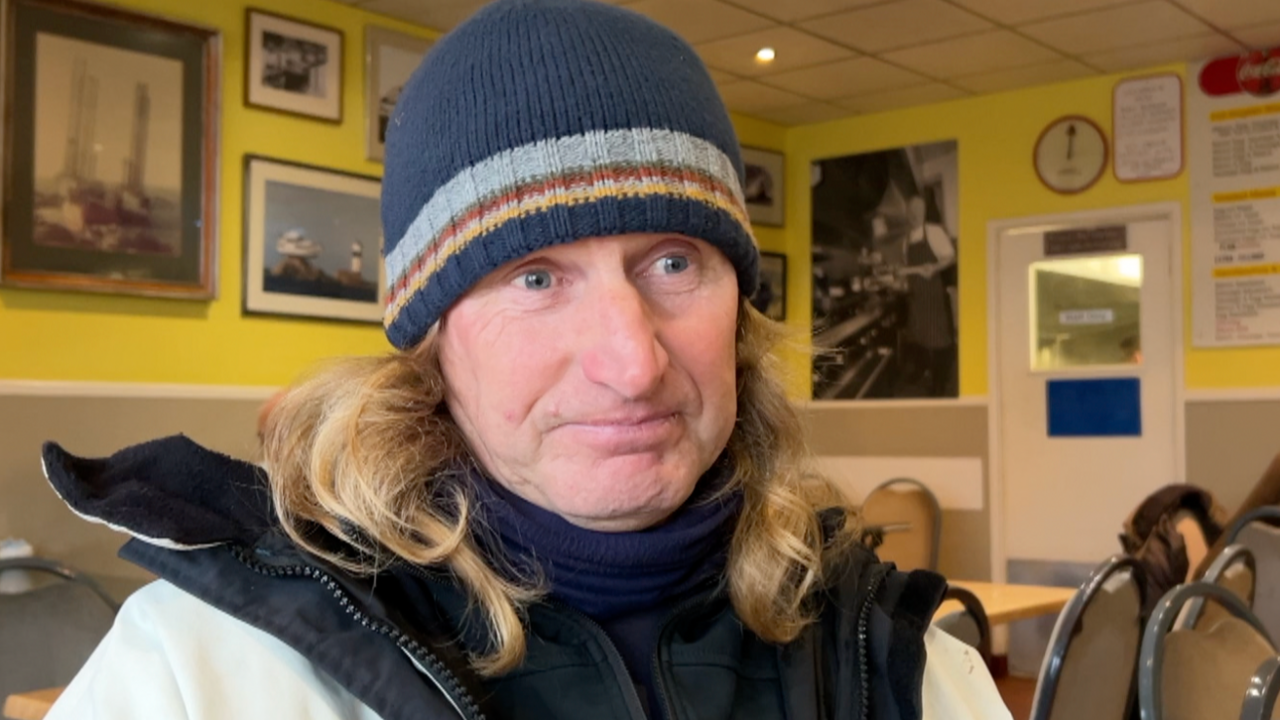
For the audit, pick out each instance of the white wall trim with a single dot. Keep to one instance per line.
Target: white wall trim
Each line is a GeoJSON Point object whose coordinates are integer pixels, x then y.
{"type": "Point", "coordinates": [1258, 394]}
{"type": "Point", "coordinates": [167, 391]}
{"type": "Point", "coordinates": [936, 403]}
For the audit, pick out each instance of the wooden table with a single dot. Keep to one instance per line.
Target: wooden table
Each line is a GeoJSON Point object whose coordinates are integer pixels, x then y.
{"type": "Point", "coordinates": [1007, 603]}
{"type": "Point", "coordinates": [33, 705]}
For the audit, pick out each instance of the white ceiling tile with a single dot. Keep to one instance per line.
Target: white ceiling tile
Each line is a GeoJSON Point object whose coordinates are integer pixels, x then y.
{"type": "Point", "coordinates": [897, 24]}
{"type": "Point", "coordinates": [438, 14]}
{"type": "Point", "coordinates": [803, 114]}
{"type": "Point", "coordinates": [905, 97]}
{"type": "Point", "coordinates": [1201, 47]}
{"type": "Point", "coordinates": [1016, 12]}
{"type": "Point", "coordinates": [751, 97]}
{"type": "Point", "coordinates": [794, 50]}
{"type": "Point", "coordinates": [1024, 76]}
{"type": "Point", "coordinates": [1233, 14]}
{"type": "Point", "coordinates": [1258, 38]}
{"type": "Point", "coordinates": [703, 20]}
{"type": "Point", "coordinates": [792, 10]}
{"type": "Point", "coordinates": [845, 78]}
{"type": "Point", "coordinates": [1145, 23]}
{"type": "Point", "coordinates": [972, 54]}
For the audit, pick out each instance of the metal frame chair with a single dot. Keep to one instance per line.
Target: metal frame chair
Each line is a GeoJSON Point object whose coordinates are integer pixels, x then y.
{"type": "Point", "coordinates": [887, 486]}
{"type": "Point", "coordinates": [1260, 698]}
{"type": "Point", "coordinates": [1258, 514]}
{"type": "Point", "coordinates": [1229, 556]}
{"type": "Point", "coordinates": [973, 606]}
{"type": "Point", "coordinates": [62, 571]}
{"type": "Point", "coordinates": [1151, 658]}
{"type": "Point", "coordinates": [1068, 626]}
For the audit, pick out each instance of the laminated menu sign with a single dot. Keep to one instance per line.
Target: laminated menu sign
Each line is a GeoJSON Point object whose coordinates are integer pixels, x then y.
{"type": "Point", "coordinates": [1234, 129]}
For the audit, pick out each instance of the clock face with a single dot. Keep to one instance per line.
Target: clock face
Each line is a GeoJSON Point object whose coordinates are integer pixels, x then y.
{"type": "Point", "coordinates": [1071, 154]}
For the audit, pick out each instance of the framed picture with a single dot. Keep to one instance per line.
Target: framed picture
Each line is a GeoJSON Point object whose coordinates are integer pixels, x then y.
{"type": "Point", "coordinates": [390, 58]}
{"type": "Point", "coordinates": [764, 191]}
{"type": "Point", "coordinates": [109, 178]}
{"type": "Point", "coordinates": [770, 297]}
{"type": "Point", "coordinates": [293, 66]}
{"type": "Point", "coordinates": [313, 242]}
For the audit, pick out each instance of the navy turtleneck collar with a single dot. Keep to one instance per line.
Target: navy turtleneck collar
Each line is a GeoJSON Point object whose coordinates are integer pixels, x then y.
{"type": "Point", "coordinates": [611, 575]}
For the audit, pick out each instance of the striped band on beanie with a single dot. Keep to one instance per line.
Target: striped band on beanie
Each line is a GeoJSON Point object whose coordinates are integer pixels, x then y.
{"type": "Point", "coordinates": [496, 152]}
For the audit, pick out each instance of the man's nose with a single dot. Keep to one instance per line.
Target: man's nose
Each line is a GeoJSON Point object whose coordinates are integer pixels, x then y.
{"type": "Point", "coordinates": [622, 348]}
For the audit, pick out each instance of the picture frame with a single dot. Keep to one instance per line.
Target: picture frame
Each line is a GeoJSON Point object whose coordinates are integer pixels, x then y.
{"type": "Point", "coordinates": [390, 57]}
{"type": "Point", "coordinates": [764, 190]}
{"type": "Point", "coordinates": [110, 169]}
{"type": "Point", "coordinates": [313, 242]}
{"type": "Point", "coordinates": [293, 66]}
{"type": "Point", "coordinates": [770, 297]}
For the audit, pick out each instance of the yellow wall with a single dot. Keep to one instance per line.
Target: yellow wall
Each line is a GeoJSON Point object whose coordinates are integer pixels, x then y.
{"type": "Point", "coordinates": [996, 134]}
{"type": "Point", "coordinates": [47, 335]}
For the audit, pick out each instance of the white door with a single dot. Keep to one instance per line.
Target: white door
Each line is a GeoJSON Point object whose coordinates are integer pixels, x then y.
{"type": "Point", "coordinates": [1087, 376]}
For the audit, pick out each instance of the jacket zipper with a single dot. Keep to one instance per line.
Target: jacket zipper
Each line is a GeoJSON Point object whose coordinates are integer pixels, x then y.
{"type": "Point", "coordinates": [615, 658]}
{"type": "Point", "coordinates": [427, 663]}
{"type": "Point", "coordinates": [659, 678]}
{"type": "Point", "coordinates": [864, 618]}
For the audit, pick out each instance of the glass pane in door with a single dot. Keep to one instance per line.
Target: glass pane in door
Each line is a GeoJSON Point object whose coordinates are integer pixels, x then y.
{"type": "Point", "coordinates": [1085, 311]}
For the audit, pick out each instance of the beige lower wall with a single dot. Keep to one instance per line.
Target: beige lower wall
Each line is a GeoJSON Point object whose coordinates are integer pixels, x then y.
{"type": "Point", "coordinates": [1229, 444]}
{"type": "Point", "coordinates": [97, 426]}
{"type": "Point", "coordinates": [941, 430]}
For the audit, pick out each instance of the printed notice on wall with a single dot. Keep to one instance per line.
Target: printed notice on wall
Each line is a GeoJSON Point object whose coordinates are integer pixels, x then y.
{"type": "Point", "coordinates": [1147, 127]}
{"type": "Point", "coordinates": [1234, 129]}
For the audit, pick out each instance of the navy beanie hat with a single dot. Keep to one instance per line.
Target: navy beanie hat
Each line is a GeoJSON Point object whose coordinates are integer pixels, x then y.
{"type": "Point", "coordinates": [539, 122]}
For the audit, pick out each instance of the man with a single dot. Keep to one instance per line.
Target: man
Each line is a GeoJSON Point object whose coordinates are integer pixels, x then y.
{"type": "Point", "coordinates": [577, 489]}
{"type": "Point", "coordinates": [927, 252]}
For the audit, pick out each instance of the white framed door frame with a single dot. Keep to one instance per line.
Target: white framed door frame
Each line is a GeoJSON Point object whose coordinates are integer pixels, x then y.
{"type": "Point", "coordinates": [1171, 211]}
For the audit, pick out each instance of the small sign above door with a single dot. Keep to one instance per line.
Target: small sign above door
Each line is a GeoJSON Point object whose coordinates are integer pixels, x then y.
{"type": "Point", "coordinates": [1080, 241]}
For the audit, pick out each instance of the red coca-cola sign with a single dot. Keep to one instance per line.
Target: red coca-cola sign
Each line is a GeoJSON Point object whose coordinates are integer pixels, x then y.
{"type": "Point", "coordinates": [1257, 73]}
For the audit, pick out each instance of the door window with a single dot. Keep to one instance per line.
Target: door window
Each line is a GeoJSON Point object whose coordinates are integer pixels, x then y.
{"type": "Point", "coordinates": [1085, 311]}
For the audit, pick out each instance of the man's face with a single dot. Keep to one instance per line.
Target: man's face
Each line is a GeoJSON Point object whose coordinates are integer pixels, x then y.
{"type": "Point", "coordinates": [597, 379]}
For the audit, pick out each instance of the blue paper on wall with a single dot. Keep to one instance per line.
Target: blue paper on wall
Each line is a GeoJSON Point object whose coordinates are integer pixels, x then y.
{"type": "Point", "coordinates": [1109, 407]}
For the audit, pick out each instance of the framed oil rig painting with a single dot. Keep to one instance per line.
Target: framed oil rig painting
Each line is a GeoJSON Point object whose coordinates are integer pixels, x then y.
{"type": "Point", "coordinates": [313, 242]}
{"type": "Point", "coordinates": [112, 146]}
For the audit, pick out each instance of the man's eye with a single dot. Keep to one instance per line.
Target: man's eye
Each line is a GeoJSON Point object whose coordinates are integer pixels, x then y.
{"type": "Point", "coordinates": [673, 264]}
{"type": "Point", "coordinates": [537, 280]}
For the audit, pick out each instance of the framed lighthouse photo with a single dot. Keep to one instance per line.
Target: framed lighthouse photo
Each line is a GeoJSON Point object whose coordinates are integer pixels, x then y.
{"type": "Point", "coordinates": [111, 151]}
{"type": "Point", "coordinates": [313, 242]}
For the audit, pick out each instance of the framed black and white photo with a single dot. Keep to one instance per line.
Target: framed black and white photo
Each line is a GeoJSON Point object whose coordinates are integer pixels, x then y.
{"type": "Point", "coordinates": [112, 150]}
{"type": "Point", "coordinates": [764, 192]}
{"type": "Point", "coordinates": [885, 274]}
{"type": "Point", "coordinates": [293, 66]}
{"type": "Point", "coordinates": [313, 242]}
{"type": "Point", "coordinates": [390, 57]}
{"type": "Point", "coordinates": [770, 297]}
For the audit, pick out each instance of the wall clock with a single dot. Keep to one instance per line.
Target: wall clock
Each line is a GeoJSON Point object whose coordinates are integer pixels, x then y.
{"type": "Point", "coordinates": [1071, 154]}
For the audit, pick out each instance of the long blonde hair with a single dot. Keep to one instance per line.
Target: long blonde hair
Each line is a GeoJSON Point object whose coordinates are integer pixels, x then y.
{"type": "Point", "coordinates": [363, 442]}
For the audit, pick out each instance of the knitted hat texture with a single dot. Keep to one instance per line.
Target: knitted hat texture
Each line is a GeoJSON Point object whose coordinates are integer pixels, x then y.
{"type": "Point", "coordinates": [540, 122]}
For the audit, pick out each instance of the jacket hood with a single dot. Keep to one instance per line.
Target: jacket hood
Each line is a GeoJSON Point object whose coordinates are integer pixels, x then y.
{"type": "Point", "coordinates": [169, 492]}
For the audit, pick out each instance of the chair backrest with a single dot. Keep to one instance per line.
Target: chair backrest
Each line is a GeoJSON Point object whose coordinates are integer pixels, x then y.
{"type": "Point", "coordinates": [1088, 669]}
{"type": "Point", "coordinates": [48, 633]}
{"type": "Point", "coordinates": [1260, 698]}
{"type": "Point", "coordinates": [1259, 530]}
{"type": "Point", "coordinates": [1233, 569]}
{"type": "Point", "coordinates": [1200, 673]}
{"type": "Point", "coordinates": [968, 624]}
{"type": "Point", "coordinates": [906, 501]}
